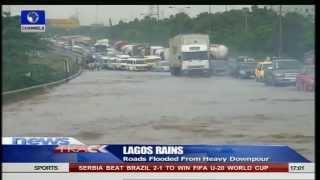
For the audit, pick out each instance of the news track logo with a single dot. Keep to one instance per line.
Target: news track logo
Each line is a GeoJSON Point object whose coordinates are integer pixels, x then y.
{"type": "Point", "coordinates": [40, 141]}
{"type": "Point", "coordinates": [81, 149]}
{"type": "Point", "coordinates": [33, 21]}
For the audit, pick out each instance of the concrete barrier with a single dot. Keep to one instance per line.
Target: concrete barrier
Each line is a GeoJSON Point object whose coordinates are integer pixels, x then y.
{"type": "Point", "coordinates": [43, 85]}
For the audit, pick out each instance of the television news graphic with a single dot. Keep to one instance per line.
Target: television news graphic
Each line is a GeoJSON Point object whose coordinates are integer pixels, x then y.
{"type": "Point", "coordinates": [33, 21]}
{"type": "Point", "coordinates": [40, 141]}
{"type": "Point", "coordinates": [36, 154]}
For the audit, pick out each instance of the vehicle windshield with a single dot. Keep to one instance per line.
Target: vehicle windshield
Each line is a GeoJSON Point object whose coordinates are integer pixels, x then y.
{"type": "Point", "coordinates": [287, 64]}
{"type": "Point", "coordinates": [100, 48]}
{"type": "Point", "coordinates": [164, 63]}
{"type": "Point", "coordinates": [265, 66]}
{"type": "Point", "coordinates": [140, 62]}
{"type": "Point", "coordinates": [219, 63]}
{"type": "Point", "coordinates": [248, 65]}
{"type": "Point", "coordinates": [202, 55]}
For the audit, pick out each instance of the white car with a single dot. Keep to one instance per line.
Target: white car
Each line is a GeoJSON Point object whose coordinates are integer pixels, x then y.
{"type": "Point", "coordinates": [137, 64]}
{"type": "Point", "coordinates": [121, 62]}
{"type": "Point", "coordinates": [104, 61]}
{"type": "Point", "coordinates": [152, 60]}
{"type": "Point", "coordinates": [162, 66]}
{"type": "Point", "coordinates": [111, 64]}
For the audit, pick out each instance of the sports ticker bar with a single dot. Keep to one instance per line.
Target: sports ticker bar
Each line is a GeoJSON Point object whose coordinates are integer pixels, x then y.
{"type": "Point", "coordinates": [176, 168]}
{"type": "Point", "coordinates": [158, 167]}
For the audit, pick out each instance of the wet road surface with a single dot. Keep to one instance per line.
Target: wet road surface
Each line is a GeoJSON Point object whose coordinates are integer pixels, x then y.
{"type": "Point", "coordinates": [149, 107]}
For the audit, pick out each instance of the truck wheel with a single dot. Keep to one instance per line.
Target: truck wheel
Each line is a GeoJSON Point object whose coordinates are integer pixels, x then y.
{"type": "Point", "coordinates": [305, 87]}
{"type": "Point", "coordinates": [178, 71]}
{"type": "Point", "coordinates": [207, 74]}
{"type": "Point", "coordinates": [173, 72]}
{"type": "Point", "coordinates": [266, 82]}
{"type": "Point", "coordinates": [273, 82]}
{"type": "Point", "coordinates": [298, 85]}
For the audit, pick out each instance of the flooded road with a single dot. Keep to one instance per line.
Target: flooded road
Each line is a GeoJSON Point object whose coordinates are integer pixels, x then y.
{"type": "Point", "coordinates": [148, 107]}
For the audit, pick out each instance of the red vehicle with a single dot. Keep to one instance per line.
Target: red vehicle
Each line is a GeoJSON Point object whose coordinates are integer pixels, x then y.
{"type": "Point", "coordinates": [305, 80]}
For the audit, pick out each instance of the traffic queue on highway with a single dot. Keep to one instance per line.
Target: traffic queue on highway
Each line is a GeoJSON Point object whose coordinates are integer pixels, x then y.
{"type": "Point", "coordinates": [272, 71]}
{"type": "Point", "coordinates": [275, 71]}
{"type": "Point", "coordinates": [129, 57]}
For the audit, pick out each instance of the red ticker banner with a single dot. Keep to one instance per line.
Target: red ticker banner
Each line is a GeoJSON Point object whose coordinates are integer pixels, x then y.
{"type": "Point", "coordinates": [170, 167]}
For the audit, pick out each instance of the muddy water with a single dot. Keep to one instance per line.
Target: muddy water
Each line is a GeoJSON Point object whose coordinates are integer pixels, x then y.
{"type": "Point", "coordinates": [146, 107]}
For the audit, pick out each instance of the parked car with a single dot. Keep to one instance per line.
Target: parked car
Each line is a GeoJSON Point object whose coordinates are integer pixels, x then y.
{"type": "Point", "coordinates": [305, 80]}
{"type": "Point", "coordinates": [282, 72]}
{"type": "Point", "coordinates": [259, 72]}
{"type": "Point", "coordinates": [162, 66]}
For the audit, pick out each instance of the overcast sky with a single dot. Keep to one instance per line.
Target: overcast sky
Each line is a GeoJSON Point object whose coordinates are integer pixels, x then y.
{"type": "Point", "coordinates": [89, 14]}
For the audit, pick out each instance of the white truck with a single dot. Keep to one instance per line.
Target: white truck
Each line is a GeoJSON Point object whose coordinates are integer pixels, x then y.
{"type": "Point", "coordinates": [218, 51]}
{"type": "Point", "coordinates": [104, 42]}
{"type": "Point", "coordinates": [218, 59]}
{"type": "Point", "coordinates": [189, 54]}
{"type": "Point", "coordinates": [101, 46]}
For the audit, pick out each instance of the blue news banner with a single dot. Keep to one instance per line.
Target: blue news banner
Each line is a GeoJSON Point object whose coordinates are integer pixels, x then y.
{"type": "Point", "coordinates": [141, 153]}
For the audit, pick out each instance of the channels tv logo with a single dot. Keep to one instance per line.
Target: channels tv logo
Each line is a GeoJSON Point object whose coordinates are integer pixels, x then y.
{"type": "Point", "coordinates": [33, 21]}
{"type": "Point", "coordinates": [33, 17]}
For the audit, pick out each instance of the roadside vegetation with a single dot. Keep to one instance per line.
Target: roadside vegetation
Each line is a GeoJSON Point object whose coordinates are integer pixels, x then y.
{"type": "Point", "coordinates": [27, 58]}
{"type": "Point", "coordinates": [259, 38]}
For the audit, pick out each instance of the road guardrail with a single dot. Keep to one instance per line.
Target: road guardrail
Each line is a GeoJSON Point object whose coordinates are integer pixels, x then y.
{"type": "Point", "coordinates": [43, 85]}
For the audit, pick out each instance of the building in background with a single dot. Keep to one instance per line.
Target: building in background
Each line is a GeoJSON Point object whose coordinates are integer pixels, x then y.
{"type": "Point", "coordinates": [75, 39]}
{"type": "Point", "coordinates": [64, 23]}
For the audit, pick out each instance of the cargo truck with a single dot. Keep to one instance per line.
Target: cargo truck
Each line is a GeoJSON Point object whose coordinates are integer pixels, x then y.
{"type": "Point", "coordinates": [218, 59]}
{"type": "Point", "coordinates": [189, 54]}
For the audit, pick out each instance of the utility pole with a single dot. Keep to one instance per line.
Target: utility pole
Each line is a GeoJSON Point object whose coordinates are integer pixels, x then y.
{"type": "Point", "coordinates": [77, 15]}
{"type": "Point", "coordinates": [181, 10]}
{"type": "Point", "coordinates": [280, 31]}
{"type": "Point", "coordinates": [158, 12]}
{"type": "Point", "coordinates": [96, 14]}
{"type": "Point", "coordinates": [154, 11]}
{"type": "Point", "coordinates": [9, 12]}
{"type": "Point", "coordinates": [246, 20]}
{"type": "Point", "coordinates": [211, 24]}
{"type": "Point", "coordinates": [6, 11]}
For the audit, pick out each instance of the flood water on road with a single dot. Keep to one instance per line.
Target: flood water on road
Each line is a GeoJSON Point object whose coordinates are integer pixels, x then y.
{"type": "Point", "coordinates": [149, 107]}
